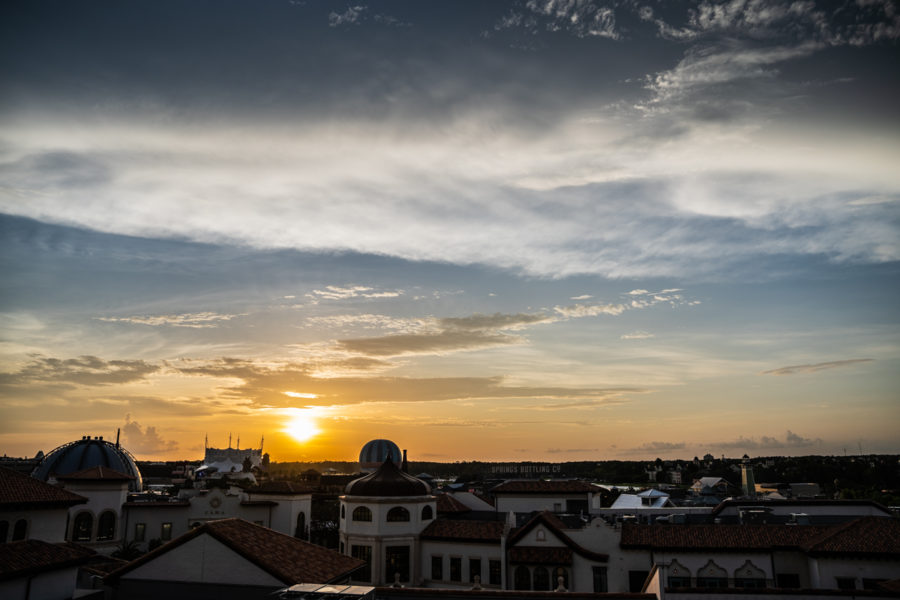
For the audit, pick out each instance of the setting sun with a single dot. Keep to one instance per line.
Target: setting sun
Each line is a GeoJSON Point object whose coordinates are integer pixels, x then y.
{"type": "Point", "coordinates": [302, 426]}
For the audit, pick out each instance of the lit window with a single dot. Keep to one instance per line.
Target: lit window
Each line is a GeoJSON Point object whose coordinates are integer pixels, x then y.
{"type": "Point", "coordinates": [166, 532]}
{"type": "Point", "coordinates": [140, 532]}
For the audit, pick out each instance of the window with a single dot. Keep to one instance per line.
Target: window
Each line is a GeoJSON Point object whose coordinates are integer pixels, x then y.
{"type": "Point", "coordinates": [362, 513]}
{"type": "Point", "coordinates": [342, 547]}
{"type": "Point", "coordinates": [455, 568]}
{"type": "Point", "coordinates": [749, 582]}
{"type": "Point", "coordinates": [140, 532]}
{"type": "Point", "coordinates": [787, 580]}
{"type": "Point", "coordinates": [84, 524]}
{"type": "Point", "coordinates": [437, 568]}
{"type": "Point", "coordinates": [427, 513]}
{"type": "Point", "coordinates": [363, 553]}
{"type": "Point", "coordinates": [560, 572]}
{"type": "Point", "coordinates": [600, 582]}
{"type": "Point", "coordinates": [494, 572]}
{"type": "Point", "coordinates": [845, 583]}
{"type": "Point", "coordinates": [106, 525]}
{"type": "Point", "coordinates": [636, 581]}
{"type": "Point", "coordinates": [4, 531]}
{"type": "Point", "coordinates": [540, 535]}
{"type": "Point", "coordinates": [166, 532]}
{"type": "Point", "coordinates": [20, 531]}
{"type": "Point", "coordinates": [557, 507]}
{"type": "Point", "coordinates": [712, 582]}
{"type": "Point", "coordinates": [873, 584]}
{"type": "Point", "coordinates": [343, 511]}
{"type": "Point", "coordinates": [396, 561]}
{"type": "Point", "coordinates": [522, 578]}
{"type": "Point", "coordinates": [397, 514]}
{"type": "Point", "coordinates": [541, 578]}
{"type": "Point", "coordinates": [474, 569]}
{"type": "Point", "coordinates": [677, 581]}
{"type": "Point", "coordinates": [300, 529]}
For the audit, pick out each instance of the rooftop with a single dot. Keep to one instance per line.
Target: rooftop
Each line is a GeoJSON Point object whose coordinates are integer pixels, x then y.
{"type": "Point", "coordinates": [464, 531]}
{"type": "Point", "coordinates": [19, 490]}
{"type": "Point", "coordinates": [553, 486]}
{"type": "Point", "coordinates": [29, 557]}
{"type": "Point", "coordinates": [286, 558]}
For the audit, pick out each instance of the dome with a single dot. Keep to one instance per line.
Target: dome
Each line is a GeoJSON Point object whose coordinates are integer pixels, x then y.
{"type": "Point", "coordinates": [376, 452]}
{"type": "Point", "coordinates": [388, 480]}
{"type": "Point", "coordinates": [86, 453]}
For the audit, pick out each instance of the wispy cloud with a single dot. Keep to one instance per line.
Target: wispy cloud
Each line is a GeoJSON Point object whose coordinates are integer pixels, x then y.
{"type": "Point", "coordinates": [637, 335]}
{"type": "Point", "coordinates": [334, 292]}
{"type": "Point", "coordinates": [201, 320]}
{"type": "Point", "coordinates": [816, 367]}
{"type": "Point", "coordinates": [652, 447]}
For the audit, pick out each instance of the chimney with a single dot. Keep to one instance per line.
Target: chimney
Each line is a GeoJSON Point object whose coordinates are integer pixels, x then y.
{"type": "Point", "coordinates": [405, 467]}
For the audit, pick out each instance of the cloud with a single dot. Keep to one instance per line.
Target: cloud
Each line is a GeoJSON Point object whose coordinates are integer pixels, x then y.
{"type": "Point", "coordinates": [581, 297]}
{"type": "Point", "coordinates": [427, 343]}
{"type": "Point", "coordinates": [636, 335]}
{"type": "Point", "coordinates": [654, 447]}
{"type": "Point", "coordinates": [146, 440]}
{"type": "Point", "coordinates": [334, 292]}
{"type": "Point", "coordinates": [264, 385]}
{"type": "Point", "coordinates": [813, 368]}
{"type": "Point", "coordinates": [570, 450]}
{"type": "Point", "coordinates": [200, 320]}
{"type": "Point", "coordinates": [84, 370]}
{"type": "Point", "coordinates": [581, 18]}
{"type": "Point", "coordinates": [590, 310]}
{"type": "Point", "coordinates": [352, 16]}
{"type": "Point", "coordinates": [371, 321]}
{"type": "Point", "coordinates": [791, 440]}
{"type": "Point", "coordinates": [494, 321]}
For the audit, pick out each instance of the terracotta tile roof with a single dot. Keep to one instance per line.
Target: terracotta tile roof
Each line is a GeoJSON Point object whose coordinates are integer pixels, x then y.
{"type": "Point", "coordinates": [98, 473]}
{"type": "Point", "coordinates": [867, 536]}
{"type": "Point", "coordinates": [464, 531]}
{"type": "Point", "coordinates": [543, 487]}
{"type": "Point", "coordinates": [792, 503]}
{"type": "Point", "coordinates": [717, 537]}
{"type": "Point", "coordinates": [551, 522]}
{"type": "Point", "coordinates": [286, 558]}
{"type": "Point", "coordinates": [25, 558]}
{"type": "Point", "coordinates": [281, 487]}
{"type": "Point", "coordinates": [19, 490]}
{"type": "Point", "coordinates": [446, 503]}
{"type": "Point", "coordinates": [414, 593]}
{"type": "Point", "coordinates": [533, 555]}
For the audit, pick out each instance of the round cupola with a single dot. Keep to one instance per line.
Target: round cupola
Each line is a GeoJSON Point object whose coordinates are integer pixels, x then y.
{"type": "Point", "coordinates": [388, 481]}
{"type": "Point", "coordinates": [87, 453]}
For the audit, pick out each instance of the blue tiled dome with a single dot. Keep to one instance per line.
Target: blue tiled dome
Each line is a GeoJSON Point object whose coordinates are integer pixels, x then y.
{"type": "Point", "coordinates": [86, 453]}
{"type": "Point", "coordinates": [377, 451]}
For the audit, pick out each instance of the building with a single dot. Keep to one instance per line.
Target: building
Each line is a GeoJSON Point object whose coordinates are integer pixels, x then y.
{"type": "Point", "coordinates": [226, 559]}
{"type": "Point", "coordinates": [555, 495]}
{"type": "Point", "coordinates": [86, 453]}
{"type": "Point", "coordinates": [382, 515]}
{"type": "Point", "coordinates": [98, 523]}
{"type": "Point", "coordinates": [32, 509]}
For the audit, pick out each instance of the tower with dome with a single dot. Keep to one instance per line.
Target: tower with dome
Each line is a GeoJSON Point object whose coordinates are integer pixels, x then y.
{"type": "Point", "coordinates": [382, 516]}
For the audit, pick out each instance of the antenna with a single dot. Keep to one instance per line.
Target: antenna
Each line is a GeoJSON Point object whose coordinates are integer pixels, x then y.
{"type": "Point", "coordinates": [118, 431]}
{"type": "Point", "coordinates": [261, 440]}
{"type": "Point", "coordinates": [239, 442]}
{"type": "Point", "coordinates": [229, 439]}
{"type": "Point", "coordinates": [206, 441]}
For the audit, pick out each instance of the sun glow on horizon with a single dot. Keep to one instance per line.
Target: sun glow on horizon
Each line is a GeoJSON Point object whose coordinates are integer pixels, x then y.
{"type": "Point", "coordinates": [302, 425]}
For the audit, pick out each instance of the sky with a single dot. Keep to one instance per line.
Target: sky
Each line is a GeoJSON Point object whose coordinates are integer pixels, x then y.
{"type": "Point", "coordinates": [548, 230]}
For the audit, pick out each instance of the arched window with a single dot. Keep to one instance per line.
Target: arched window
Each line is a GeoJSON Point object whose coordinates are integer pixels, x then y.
{"type": "Point", "coordinates": [541, 579]}
{"type": "Point", "coordinates": [749, 576]}
{"type": "Point", "coordinates": [712, 576]}
{"type": "Point", "coordinates": [398, 513]}
{"type": "Point", "coordinates": [522, 578]}
{"type": "Point", "coordinates": [564, 573]}
{"type": "Point", "coordinates": [106, 525]}
{"type": "Point", "coordinates": [427, 513]}
{"type": "Point", "coordinates": [4, 531]}
{"type": "Point", "coordinates": [362, 513]}
{"type": "Point", "coordinates": [84, 524]}
{"type": "Point", "coordinates": [20, 531]}
{"type": "Point", "coordinates": [300, 531]}
{"type": "Point", "coordinates": [679, 575]}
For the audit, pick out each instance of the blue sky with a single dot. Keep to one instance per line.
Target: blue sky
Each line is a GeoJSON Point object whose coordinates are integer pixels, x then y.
{"type": "Point", "coordinates": [550, 230]}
